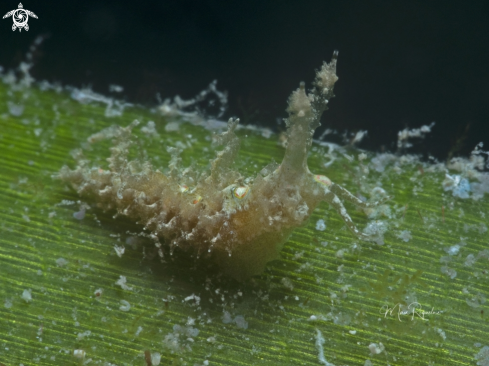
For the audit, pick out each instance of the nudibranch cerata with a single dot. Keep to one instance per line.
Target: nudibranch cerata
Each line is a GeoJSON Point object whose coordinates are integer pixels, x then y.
{"type": "Point", "coordinates": [241, 227]}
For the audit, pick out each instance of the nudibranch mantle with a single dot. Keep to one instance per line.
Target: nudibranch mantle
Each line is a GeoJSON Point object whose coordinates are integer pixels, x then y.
{"type": "Point", "coordinates": [240, 227]}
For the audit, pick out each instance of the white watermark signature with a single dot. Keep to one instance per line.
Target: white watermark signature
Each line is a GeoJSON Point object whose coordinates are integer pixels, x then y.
{"type": "Point", "coordinates": [20, 17]}
{"type": "Point", "coordinates": [414, 310]}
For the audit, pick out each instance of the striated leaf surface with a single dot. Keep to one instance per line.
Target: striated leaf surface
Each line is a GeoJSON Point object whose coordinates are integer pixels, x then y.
{"type": "Point", "coordinates": [61, 288]}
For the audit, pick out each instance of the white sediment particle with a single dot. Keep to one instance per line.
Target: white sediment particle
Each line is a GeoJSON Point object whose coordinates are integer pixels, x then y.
{"type": "Point", "coordinates": [190, 331]}
{"type": "Point", "coordinates": [61, 262]}
{"type": "Point", "coordinates": [320, 225]}
{"type": "Point", "coordinates": [66, 203]}
{"type": "Point", "coordinates": [7, 304]}
{"type": "Point", "coordinates": [80, 215]}
{"type": "Point", "coordinates": [140, 329]}
{"type": "Point", "coordinates": [193, 297]}
{"type": "Point", "coordinates": [122, 282]}
{"type": "Point", "coordinates": [298, 255]}
{"type": "Point", "coordinates": [483, 254]}
{"type": "Point", "coordinates": [368, 363]}
{"type": "Point", "coordinates": [480, 188]}
{"type": "Point", "coordinates": [453, 250]}
{"type": "Point", "coordinates": [83, 335]}
{"type": "Point", "coordinates": [119, 250]}
{"type": "Point", "coordinates": [226, 317]}
{"type": "Point", "coordinates": [459, 186]}
{"type": "Point", "coordinates": [113, 107]}
{"type": "Point", "coordinates": [377, 229]}
{"type": "Point", "coordinates": [15, 109]}
{"type": "Point", "coordinates": [27, 295]}
{"type": "Point", "coordinates": [375, 348]}
{"type": "Point", "coordinates": [26, 218]}
{"type": "Point", "coordinates": [150, 129]}
{"type": "Point", "coordinates": [476, 301]}
{"type": "Point", "coordinates": [405, 235]}
{"type": "Point", "coordinates": [341, 253]}
{"type": "Point", "coordinates": [132, 241]}
{"type": "Point", "coordinates": [172, 126]}
{"type": "Point", "coordinates": [450, 272]}
{"type": "Point", "coordinates": [470, 260]}
{"type": "Point", "coordinates": [106, 133]}
{"type": "Point", "coordinates": [116, 88]}
{"type": "Point", "coordinates": [155, 358]}
{"type": "Point", "coordinates": [359, 137]}
{"type": "Point", "coordinates": [181, 338]}
{"type": "Point", "coordinates": [380, 162]}
{"type": "Point", "coordinates": [79, 353]}
{"type": "Point", "coordinates": [319, 346]}
{"type": "Point", "coordinates": [266, 133]}
{"type": "Point", "coordinates": [37, 132]}
{"type": "Point", "coordinates": [445, 259]}
{"type": "Point", "coordinates": [441, 333]}
{"type": "Point", "coordinates": [241, 322]}
{"type": "Point", "coordinates": [404, 135]}
{"type": "Point", "coordinates": [125, 306]}
{"type": "Point", "coordinates": [482, 357]}
{"type": "Point", "coordinates": [287, 283]}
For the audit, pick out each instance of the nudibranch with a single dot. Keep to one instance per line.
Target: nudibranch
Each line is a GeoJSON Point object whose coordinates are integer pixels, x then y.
{"type": "Point", "coordinates": [240, 227]}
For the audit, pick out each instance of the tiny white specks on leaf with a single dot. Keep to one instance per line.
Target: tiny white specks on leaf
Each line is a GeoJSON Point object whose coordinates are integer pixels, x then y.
{"type": "Point", "coordinates": [320, 225]}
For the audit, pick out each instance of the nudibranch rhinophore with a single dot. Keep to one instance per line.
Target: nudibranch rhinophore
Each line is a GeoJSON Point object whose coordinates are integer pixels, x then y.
{"type": "Point", "coordinates": [239, 227]}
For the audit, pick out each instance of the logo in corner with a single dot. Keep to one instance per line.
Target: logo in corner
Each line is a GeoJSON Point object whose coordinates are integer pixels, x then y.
{"type": "Point", "coordinates": [20, 17]}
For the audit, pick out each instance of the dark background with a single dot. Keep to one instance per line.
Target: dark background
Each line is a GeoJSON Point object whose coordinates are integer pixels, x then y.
{"type": "Point", "coordinates": [401, 64]}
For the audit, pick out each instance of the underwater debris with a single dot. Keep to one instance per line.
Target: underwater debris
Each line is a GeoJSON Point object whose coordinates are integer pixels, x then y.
{"type": "Point", "coordinates": [122, 282]}
{"type": "Point", "coordinates": [125, 305]}
{"type": "Point", "coordinates": [61, 262]}
{"type": "Point", "coordinates": [482, 357]}
{"type": "Point", "coordinates": [239, 320]}
{"type": "Point", "coordinates": [119, 250]}
{"type": "Point", "coordinates": [406, 134]}
{"type": "Point", "coordinates": [375, 348]}
{"type": "Point", "coordinates": [240, 226]}
{"type": "Point", "coordinates": [319, 346]}
{"type": "Point", "coordinates": [79, 353]}
{"type": "Point", "coordinates": [86, 95]}
{"type": "Point", "coordinates": [459, 186]}
{"type": "Point", "coordinates": [320, 225]}
{"type": "Point", "coordinates": [181, 339]}
{"type": "Point", "coordinates": [27, 295]}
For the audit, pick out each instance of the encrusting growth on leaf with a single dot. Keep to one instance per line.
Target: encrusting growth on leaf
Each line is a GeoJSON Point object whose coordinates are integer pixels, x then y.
{"type": "Point", "coordinates": [240, 227]}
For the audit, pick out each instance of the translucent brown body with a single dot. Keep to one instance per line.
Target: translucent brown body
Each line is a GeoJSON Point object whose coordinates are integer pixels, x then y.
{"type": "Point", "coordinates": [240, 227]}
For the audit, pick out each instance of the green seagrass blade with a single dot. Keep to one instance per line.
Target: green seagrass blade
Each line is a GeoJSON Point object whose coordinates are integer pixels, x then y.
{"type": "Point", "coordinates": [61, 288]}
